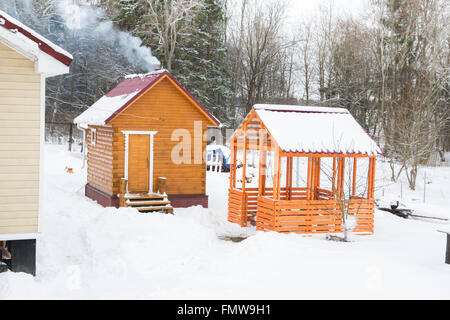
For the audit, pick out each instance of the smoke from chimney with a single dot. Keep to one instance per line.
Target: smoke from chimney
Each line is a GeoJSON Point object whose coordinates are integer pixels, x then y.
{"type": "Point", "coordinates": [81, 16]}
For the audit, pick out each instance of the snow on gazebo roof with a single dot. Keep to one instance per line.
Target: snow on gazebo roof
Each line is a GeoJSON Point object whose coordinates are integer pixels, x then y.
{"type": "Point", "coordinates": [304, 129]}
{"type": "Point", "coordinates": [23, 38]}
{"type": "Point", "coordinates": [125, 93]}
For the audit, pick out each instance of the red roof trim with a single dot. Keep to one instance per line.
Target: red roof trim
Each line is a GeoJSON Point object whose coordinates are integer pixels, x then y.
{"type": "Point", "coordinates": [43, 46]}
{"type": "Point", "coordinates": [159, 77]}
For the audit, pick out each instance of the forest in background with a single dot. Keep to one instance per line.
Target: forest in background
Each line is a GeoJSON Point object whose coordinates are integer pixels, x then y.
{"type": "Point", "coordinates": [389, 68]}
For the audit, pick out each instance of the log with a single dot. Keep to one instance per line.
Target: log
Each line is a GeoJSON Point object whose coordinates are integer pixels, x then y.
{"type": "Point", "coordinates": [406, 213]}
{"type": "Point", "coordinates": [435, 218]}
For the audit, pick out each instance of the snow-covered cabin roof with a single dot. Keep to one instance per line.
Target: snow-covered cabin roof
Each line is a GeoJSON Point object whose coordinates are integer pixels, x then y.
{"type": "Point", "coordinates": [50, 58]}
{"type": "Point", "coordinates": [125, 93]}
{"type": "Point", "coordinates": [304, 129]}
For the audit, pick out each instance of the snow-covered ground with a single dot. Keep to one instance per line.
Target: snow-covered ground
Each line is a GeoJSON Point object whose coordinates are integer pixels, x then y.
{"type": "Point", "coordinates": [86, 251]}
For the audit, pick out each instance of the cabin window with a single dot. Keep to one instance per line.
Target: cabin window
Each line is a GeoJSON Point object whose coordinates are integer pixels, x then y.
{"type": "Point", "coordinates": [93, 136]}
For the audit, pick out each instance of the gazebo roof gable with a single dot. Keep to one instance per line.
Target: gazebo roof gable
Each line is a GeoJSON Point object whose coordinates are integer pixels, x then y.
{"type": "Point", "coordinates": [315, 130]}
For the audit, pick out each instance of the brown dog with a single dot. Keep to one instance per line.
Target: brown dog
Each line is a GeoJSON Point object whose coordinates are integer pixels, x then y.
{"type": "Point", "coordinates": [69, 170]}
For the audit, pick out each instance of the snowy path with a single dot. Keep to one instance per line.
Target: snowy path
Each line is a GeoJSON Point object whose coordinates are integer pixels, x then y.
{"type": "Point", "coordinates": [86, 251]}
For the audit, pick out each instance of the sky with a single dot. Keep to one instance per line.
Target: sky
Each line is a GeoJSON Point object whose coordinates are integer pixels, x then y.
{"type": "Point", "coordinates": [309, 8]}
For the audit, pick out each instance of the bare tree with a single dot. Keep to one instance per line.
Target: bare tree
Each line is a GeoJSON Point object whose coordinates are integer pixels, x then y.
{"type": "Point", "coordinates": [306, 51]}
{"type": "Point", "coordinates": [411, 40]}
{"type": "Point", "coordinates": [167, 20]}
{"type": "Point", "coordinates": [324, 43]}
{"type": "Point", "coordinates": [259, 55]}
{"type": "Point", "coordinates": [352, 72]}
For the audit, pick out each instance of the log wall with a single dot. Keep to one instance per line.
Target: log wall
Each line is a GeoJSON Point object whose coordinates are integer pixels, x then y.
{"type": "Point", "coordinates": [100, 160]}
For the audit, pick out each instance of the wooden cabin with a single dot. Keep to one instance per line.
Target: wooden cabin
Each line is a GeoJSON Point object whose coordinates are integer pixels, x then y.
{"type": "Point", "coordinates": [145, 145]}
{"type": "Point", "coordinates": [26, 60]}
{"type": "Point", "coordinates": [315, 167]}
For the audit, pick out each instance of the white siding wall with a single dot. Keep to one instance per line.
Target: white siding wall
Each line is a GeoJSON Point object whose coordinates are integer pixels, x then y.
{"type": "Point", "coordinates": [19, 143]}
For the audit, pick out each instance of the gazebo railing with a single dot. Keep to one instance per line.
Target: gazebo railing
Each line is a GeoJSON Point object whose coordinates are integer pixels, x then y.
{"type": "Point", "coordinates": [305, 216]}
{"type": "Point", "coordinates": [243, 205]}
{"type": "Point", "coordinates": [324, 194]}
{"type": "Point", "coordinates": [313, 216]}
{"type": "Point", "coordinates": [298, 214]}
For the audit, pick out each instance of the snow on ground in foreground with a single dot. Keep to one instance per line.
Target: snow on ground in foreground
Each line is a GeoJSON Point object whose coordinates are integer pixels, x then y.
{"type": "Point", "coordinates": [87, 251]}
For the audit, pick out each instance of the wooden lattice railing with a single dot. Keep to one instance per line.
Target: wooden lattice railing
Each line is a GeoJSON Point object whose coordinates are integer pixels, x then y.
{"type": "Point", "coordinates": [313, 216]}
{"type": "Point", "coordinates": [237, 206]}
{"type": "Point", "coordinates": [298, 214]}
{"type": "Point", "coordinates": [241, 202]}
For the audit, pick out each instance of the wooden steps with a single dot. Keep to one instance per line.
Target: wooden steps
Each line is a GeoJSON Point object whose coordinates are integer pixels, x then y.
{"type": "Point", "coordinates": [149, 203]}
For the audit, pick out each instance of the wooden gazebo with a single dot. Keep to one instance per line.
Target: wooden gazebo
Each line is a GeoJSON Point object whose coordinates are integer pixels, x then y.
{"type": "Point", "coordinates": [283, 136]}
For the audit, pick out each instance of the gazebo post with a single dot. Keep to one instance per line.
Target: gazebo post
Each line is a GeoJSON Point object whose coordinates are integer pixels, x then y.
{"type": "Point", "coordinates": [244, 175]}
{"type": "Point", "coordinates": [374, 161]}
{"type": "Point", "coordinates": [317, 163]}
{"type": "Point", "coordinates": [308, 179]}
{"type": "Point", "coordinates": [276, 173]}
{"type": "Point", "coordinates": [262, 163]}
{"type": "Point", "coordinates": [233, 163]}
{"type": "Point", "coordinates": [340, 178]}
{"type": "Point", "coordinates": [289, 164]}
{"type": "Point", "coordinates": [333, 185]}
{"type": "Point", "coordinates": [369, 182]}
{"type": "Point", "coordinates": [313, 180]}
{"type": "Point", "coordinates": [371, 178]}
{"type": "Point", "coordinates": [244, 161]}
{"type": "Point", "coordinates": [355, 162]}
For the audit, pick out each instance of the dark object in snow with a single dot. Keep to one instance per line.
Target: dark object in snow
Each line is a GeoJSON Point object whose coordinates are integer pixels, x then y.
{"type": "Point", "coordinates": [395, 206]}
{"type": "Point", "coordinates": [335, 238]}
{"type": "Point", "coordinates": [447, 251]}
{"type": "Point", "coordinates": [406, 213]}
{"type": "Point", "coordinates": [232, 239]}
{"type": "Point", "coordinates": [23, 256]}
{"type": "Point", "coordinates": [3, 267]}
{"type": "Point", "coordinates": [402, 213]}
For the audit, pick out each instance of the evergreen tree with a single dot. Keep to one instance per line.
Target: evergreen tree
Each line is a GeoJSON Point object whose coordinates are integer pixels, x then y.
{"type": "Point", "coordinates": [200, 62]}
{"type": "Point", "coordinates": [128, 14]}
{"type": "Point", "coordinates": [199, 57]}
